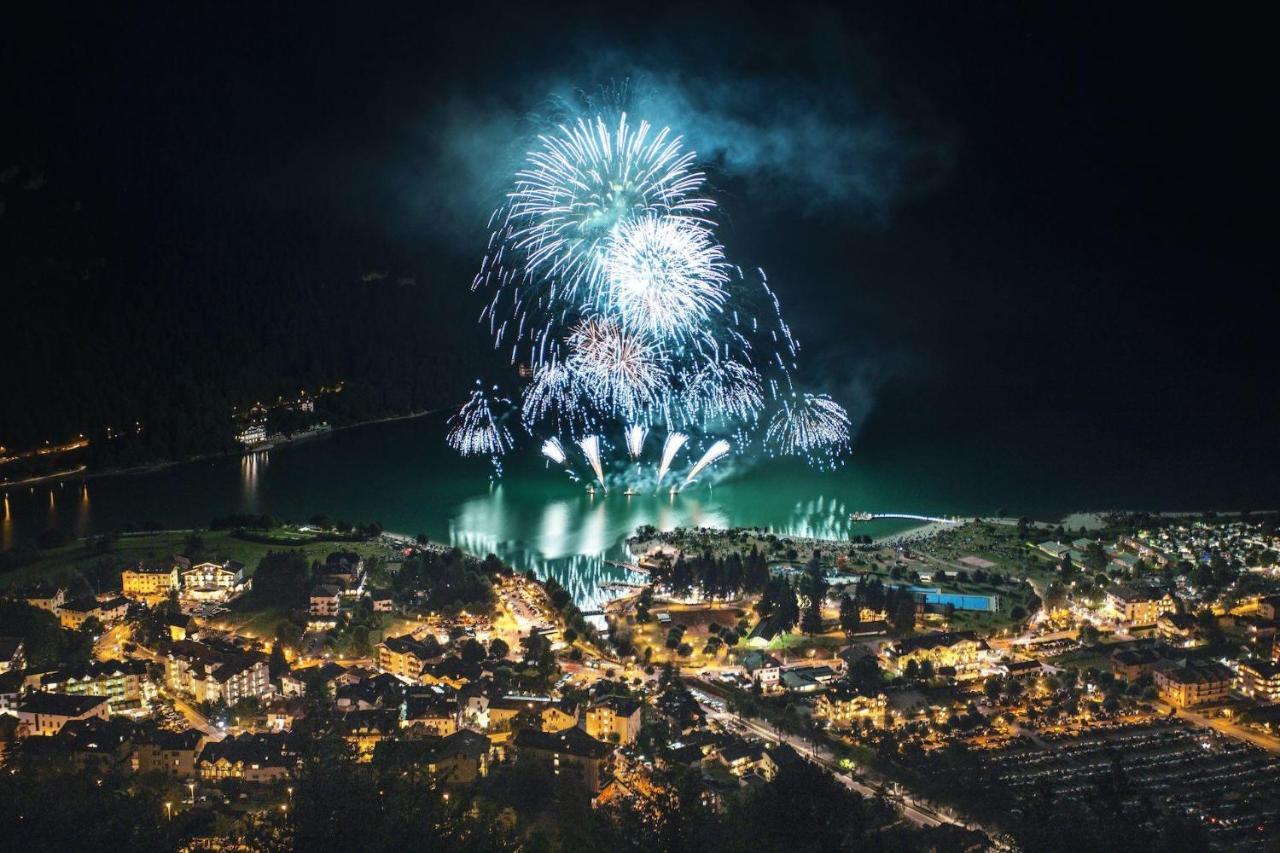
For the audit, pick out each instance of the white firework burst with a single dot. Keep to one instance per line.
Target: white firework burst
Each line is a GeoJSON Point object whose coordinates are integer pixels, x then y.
{"type": "Point", "coordinates": [664, 276]}
{"type": "Point", "coordinates": [586, 179]}
{"type": "Point", "coordinates": [474, 431]}
{"type": "Point", "coordinates": [620, 371]}
{"type": "Point", "coordinates": [812, 426]}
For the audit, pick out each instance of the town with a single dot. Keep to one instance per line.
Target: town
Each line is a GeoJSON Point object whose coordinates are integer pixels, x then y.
{"type": "Point", "coordinates": [997, 684]}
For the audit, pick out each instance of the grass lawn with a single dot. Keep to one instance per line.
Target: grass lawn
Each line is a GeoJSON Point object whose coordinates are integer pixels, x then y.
{"type": "Point", "coordinates": [58, 564]}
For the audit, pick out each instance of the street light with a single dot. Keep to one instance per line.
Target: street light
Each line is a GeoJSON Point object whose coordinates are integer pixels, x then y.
{"type": "Point", "coordinates": [168, 808]}
{"type": "Point", "coordinates": [191, 786]}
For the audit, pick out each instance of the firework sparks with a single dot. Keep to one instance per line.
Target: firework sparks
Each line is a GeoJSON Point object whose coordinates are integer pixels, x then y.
{"type": "Point", "coordinates": [812, 426]}
{"type": "Point", "coordinates": [475, 431]}
{"type": "Point", "coordinates": [621, 372]}
{"type": "Point", "coordinates": [612, 294]}
{"type": "Point", "coordinates": [670, 448]}
{"type": "Point", "coordinates": [591, 449]}
{"type": "Point", "coordinates": [586, 179]}
{"type": "Point", "coordinates": [553, 450]}
{"type": "Point", "coordinates": [635, 440]}
{"type": "Point", "coordinates": [718, 449]}
{"type": "Point", "coordinates": [664, 276]}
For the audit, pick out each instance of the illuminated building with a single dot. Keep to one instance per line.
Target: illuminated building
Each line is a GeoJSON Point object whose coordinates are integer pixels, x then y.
{"type": "Point", "coordinates": [1138, 606]}
{"type": "Point", "coordinates": [149, 581]}
{"type": "Point", "coordinates": [615, 719]}
{"type": "Point", "coordinates": [74, 614]}
{"type": "Point", "coordinates": [44, 714]}
{"type": "Point", "coordinates": [170, 753]}
{"type": "Point", "coordinates": [214, 582]}
{"type": "Point", "coordinates": [404, 656]}
{"type": "Point", "coordinates": [125, 684]}
{"type": "Point", "coordinates": [214, 675]}
{"type": "Point", "coordinates": [961, 650]}
{"type": "Point", "coordinates": [252, 758]}
{"type": "Point", "coordinates": [1259, 679]}
{"type": "Point", "coordinates": [1185, 686]}
{"type": "Point", "coordinates": [571, 755]}
{"type": "Point", "coordinates": [12, 654]}
{"type": "Point", "coordinates": [844, 709]}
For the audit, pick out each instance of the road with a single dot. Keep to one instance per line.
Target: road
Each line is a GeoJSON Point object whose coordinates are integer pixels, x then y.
{"type": "Point", "coordinates": [913, 810]}
{"type": "Point", "coordinates": [196, 720]}
{"type": "Point", "coordinates": [1230, 729]}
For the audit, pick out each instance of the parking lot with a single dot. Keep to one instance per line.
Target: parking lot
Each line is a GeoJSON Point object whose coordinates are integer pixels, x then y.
{"type": "Point", "coordinates": [1233, 787]}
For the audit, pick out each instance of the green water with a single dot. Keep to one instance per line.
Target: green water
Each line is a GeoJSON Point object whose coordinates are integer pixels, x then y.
{"type": "Point", "coordinates": [402, 475]}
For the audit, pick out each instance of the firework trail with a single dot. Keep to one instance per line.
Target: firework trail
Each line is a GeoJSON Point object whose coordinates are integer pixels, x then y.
{"type": "Point", "coordinates": [635, 440]}
{"type": "Point", "coordinates": [553, 450]}
{"type": "Point", "coordinates": [670, 448]}
{"type": "Point", "coordinates": [476, 432]}
{"type": "Point", "coordinates": [714, 452]}
{"type": "Point", "coordinates": [591, 449]}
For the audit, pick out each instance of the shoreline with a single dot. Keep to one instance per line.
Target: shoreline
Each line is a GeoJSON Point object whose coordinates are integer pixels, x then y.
{"type": "Point", "coordinates": [152, 467]}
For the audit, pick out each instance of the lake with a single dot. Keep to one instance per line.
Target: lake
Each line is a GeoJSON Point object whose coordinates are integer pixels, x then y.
{"type": "Point", "coordinates": [400, 473]}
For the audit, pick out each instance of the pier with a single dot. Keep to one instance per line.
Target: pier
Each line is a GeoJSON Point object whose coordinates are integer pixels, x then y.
{"type": "Point", "coordinates": [872, 516]}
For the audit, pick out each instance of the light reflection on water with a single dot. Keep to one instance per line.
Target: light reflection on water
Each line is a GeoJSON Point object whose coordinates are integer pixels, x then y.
{"type": "Point", "coordinates": [403, 476]}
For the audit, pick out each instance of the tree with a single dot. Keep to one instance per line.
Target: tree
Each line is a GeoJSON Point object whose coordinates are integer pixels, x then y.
{"type": "Point", "coordinates": [472, 651]}
{"type": "Point", "coordinates": [850, 616]}
{"type": "Point", "coordinates": [643, 603]}
{"type": "Point", "coordinates": [278, 665]}
{"type": "Point", "coordinates": [498, 648]}
{"type": "Point", "coordinates": [815, 590]}
{"type": "Point", "coordinates": [281, 578]}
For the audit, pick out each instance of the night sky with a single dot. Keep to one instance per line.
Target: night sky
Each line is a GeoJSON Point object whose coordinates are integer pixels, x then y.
{"type": "Point", "coordinates": [1042, 227]}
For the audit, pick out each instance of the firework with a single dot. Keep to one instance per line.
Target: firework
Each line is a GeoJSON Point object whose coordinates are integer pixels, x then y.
{"type": "Point", "coordinates": [621, 372]}
{"type": "Point", "coordinates": [553, 450]}
{"type": "Point", "coordinates": [611, 289]}
{"type": "Point", "coordinates": [715, 451]}
{"type": "Point", "coordinates": [670, 448]}
{"type": "Point", "coordinates": [552, 392]}
{"type": "Point", "coordinates": [809, 425]}
{"type": "Point", "coordinates": [585, 180]}
{"type": "Point", "coordinates": [664, 276]}
{"type": "Point", "coordinates": [722, 391]}
{"type": "Point", "coordinates": [635, 440]}
{"type": "Point", "coordinates": [591, 449]}
{"type": "Point", "coordinates": [475, 431]}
